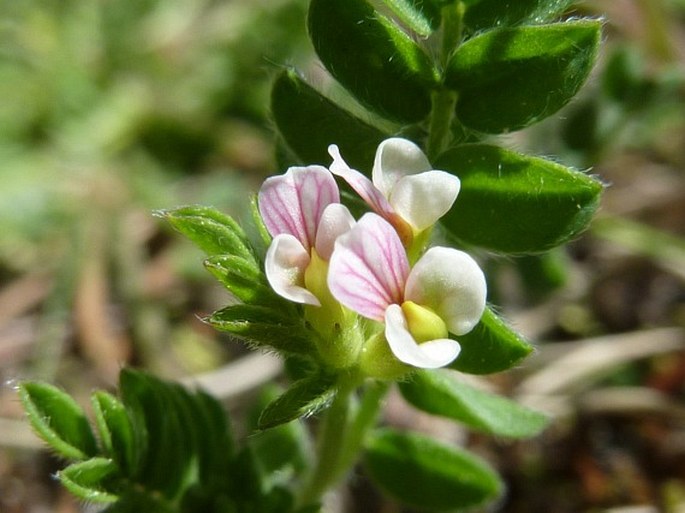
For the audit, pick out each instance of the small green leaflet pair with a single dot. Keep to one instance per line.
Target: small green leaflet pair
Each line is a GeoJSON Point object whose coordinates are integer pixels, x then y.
{"type": "Point", "coordinates": [161, 449]}
{"type": "Point", "coordinates": [165, 449]}
{"type": "Point", "coordinates": [512, 69]}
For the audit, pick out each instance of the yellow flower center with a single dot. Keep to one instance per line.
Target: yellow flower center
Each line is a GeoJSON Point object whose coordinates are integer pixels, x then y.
{"type": "Point", "coordinates": [423, 323]}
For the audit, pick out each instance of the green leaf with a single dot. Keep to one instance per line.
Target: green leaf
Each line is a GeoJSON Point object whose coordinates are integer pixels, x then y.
{"type": "Point", "coordinates": [262, 231]}
{"type": "Point", "coordinates": [310, 122]}
{"type": "Point", "coordinates": [302, 399]}
{"type": "Point", "coordinates": [212, 231]}
{"type": "Point", "coordinates": [58, 420]}
{"type": "Point", "coordinates": [438, 393]}
{"type": "Point", "coordinates": [431, 476]}
{"type": "Point", "coordinates": [241, 278]}
{"type": "Point", "coordinates": [213, 440]}
{"type": "Point", "coordinates": [510, 78]}
{"type": "Point", "coordinates": [373, 58]}
{"type": "Point", "coordinates": [136, 501]}
{"type": "Point", "coordinates": [85, 479]}
{"type": "Point", "coordinates": [420, 16]}
{"type": "Point", "coordinates": [491, 346]}
{"type": "Point", "coordinates": [486, 14]}
{"type": "Point", "coordinates": [161, 430]}
{"type": "Point", "coordinates": [116, 431]}
{"type": "Point", "coordinates": [264, 326]}
{"type": "Point", "coordinates": [514, 203]}
{"type": "Point", "coordinates": [282, 450]}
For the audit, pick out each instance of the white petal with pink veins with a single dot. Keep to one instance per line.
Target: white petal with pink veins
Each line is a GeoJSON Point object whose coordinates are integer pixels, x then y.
{"type": "Point", "coordinates": [396, 158]}
{"type": "Point", "coordinates": [368, 268]}
{"type": "Point", "coordinates": [452, 284]}
{"type": "Point", "coordinates": [424, 198]}
{"type": "Point", "coordinates": [360, 183]}
{"type": "Point", "coordinates": [431, 354]}
{"type": "Point", "coordinates": [293, 203]}
{"type": "Point", "coordinates": [285, 263]}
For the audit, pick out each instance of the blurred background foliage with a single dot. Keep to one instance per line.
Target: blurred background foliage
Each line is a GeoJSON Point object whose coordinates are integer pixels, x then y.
{"type": "Point", "coordinates": [110, 109]}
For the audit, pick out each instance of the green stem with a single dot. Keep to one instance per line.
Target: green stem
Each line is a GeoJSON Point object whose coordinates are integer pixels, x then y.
{"type": "Point", "coordinates": [332, 432]}
{"type": "Point", "coordinates": [444, 101]}
{"type": "Point", "coordinates": [452, 28]}
{"type": "Point", "coordinates": [442, 113]}
{"type": "Point", "coordinates": [364, 420]}
{"type": "Point", "coordinates": [341, 438]}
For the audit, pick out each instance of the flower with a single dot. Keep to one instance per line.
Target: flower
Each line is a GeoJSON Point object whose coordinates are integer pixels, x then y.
{"type": "Point", "coordinates": [301, 210]}
{"type": "Point", "coordinates": [444, 292]}
{"type": "Point", "coordinates": [405, 190]}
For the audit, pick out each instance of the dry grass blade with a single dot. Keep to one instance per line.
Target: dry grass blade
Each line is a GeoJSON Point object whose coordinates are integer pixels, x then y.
{"type": "Point", "coordinates": [591, 358]}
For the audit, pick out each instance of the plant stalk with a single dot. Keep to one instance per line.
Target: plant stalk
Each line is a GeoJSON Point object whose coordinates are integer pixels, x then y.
{"type": "Point", "coordinates": [341, 437]}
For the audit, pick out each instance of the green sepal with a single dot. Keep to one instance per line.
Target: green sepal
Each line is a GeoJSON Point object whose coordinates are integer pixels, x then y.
{"type": "Point", "coordinates": [116, 431]}
{"type": "Point", "coordinates": [303, 399]}
{"type": "Point", "coordinates": [212, 231]}
{"type": "Point", "coordinates": [264, 326]}
{"type": "Point", "coordinates": [513, 203]}
{"type": "Point", "coordinates": [86, 480]}
{"type": "Point", "coordinates": [58, 420]}
{"type": "Point", "coordinates": [426, 474]}
{"type": "Point", "coordinates": [263, 232]}
{"type": "Point", "coordinates": [373, 58]}
{"type": "Point", "coordinates": [309, 122]}
{"type": "Point", "coordinates": [509, 78]}
{"type": "Point", "coordinates": [491, 346]}
{"type": "Point", "coordinates": [486, 14]}
{"type": "Point", "coordinates": [438, 393]}
{"type": "Point", "coordinates": [241, 278]}
{"type": "Point", "coordinates": [420, 16]}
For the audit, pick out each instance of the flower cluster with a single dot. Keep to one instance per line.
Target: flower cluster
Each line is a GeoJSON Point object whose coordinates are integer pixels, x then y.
{"type": "Point", "coordinates": [377, 297]}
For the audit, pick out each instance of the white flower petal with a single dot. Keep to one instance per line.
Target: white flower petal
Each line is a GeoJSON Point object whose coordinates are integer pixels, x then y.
{"type": "Point", "coordinates": [285, 263]}
{"type": "Point", "coordinates": [427, 355]}
{"type": "Point", "coordinates": [368, 267]}
{"type": "Point", "coordinates": [452, 284]}
{"type": "Point", "coordinates": [396, 158]}
{"type": "Point", "coordinates": [335, 221]}
{"type": "Point", "coordinates": [423, 198]}
{"type": "Point", "coordinates": [360, 183]}
{"type": "Point", "coordinates": [293, 203]}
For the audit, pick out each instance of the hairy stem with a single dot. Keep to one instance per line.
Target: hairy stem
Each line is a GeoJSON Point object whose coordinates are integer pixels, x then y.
{"type": "Point", "coordinates": [341, 436]}
{"type": "Point", "coordinates": [444, 100]}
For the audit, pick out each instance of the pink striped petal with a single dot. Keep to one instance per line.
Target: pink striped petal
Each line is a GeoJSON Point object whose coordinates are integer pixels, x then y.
{"type": "Point", "coordinates": [293, 203]}
{"type": "Point", "coordinates": [360, 183]}
{"type": "Point", "coordinates": [452, 284]}
{"type": "Point", "coordinates": [396, 158]}
{"type": "Point", "coordinates": [335, 221]}
{"type": "Point", "coordinates": [431, 354]}
{"type": "Point", "coordinates": [285, 263]}
{"type": "Point", "coordinates": [368, 268]}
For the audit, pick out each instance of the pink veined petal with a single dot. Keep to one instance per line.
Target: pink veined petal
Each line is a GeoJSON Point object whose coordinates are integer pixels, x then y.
{"type": "Point", "coordinates": [285, 263]}
{"type": "Point", "coordinates": [368, 267]}
{"type": "Point", "coordinates": [452, 284]}
{"type": "Point", "coordinates": [423, 198]}
{"type": "Point", "coordinates": [360, 183]}
{"type": "Point", "coordinates": [431, 354]}
{"type": "Point", "coordinates": [396, 158]}
{"type": "Point", "coordinates": [293, 203]}
{"type": "Point", "coordinates": [335, 221]}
